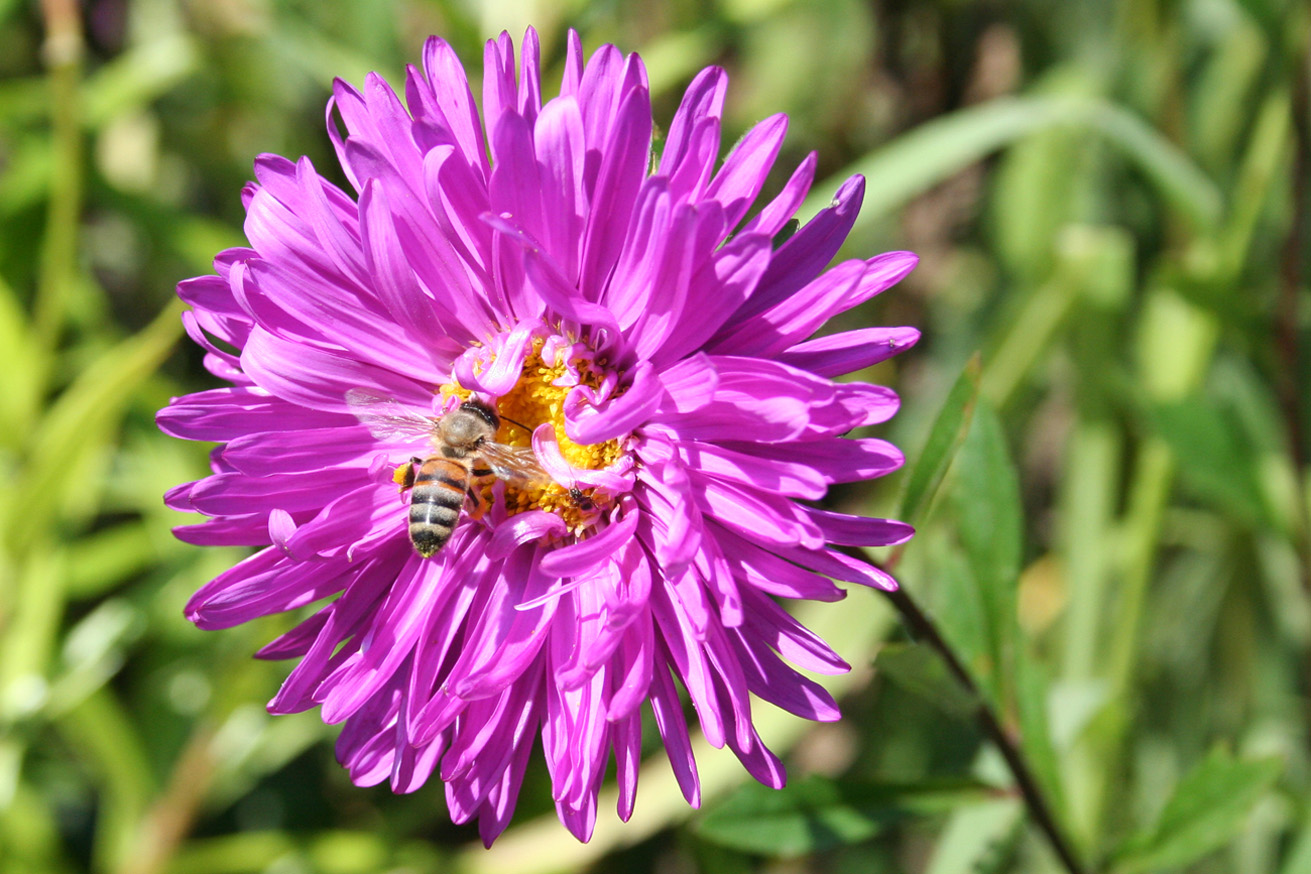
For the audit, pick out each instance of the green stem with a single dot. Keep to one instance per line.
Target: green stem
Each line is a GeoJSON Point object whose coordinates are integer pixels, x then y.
{"type": "Point", "coordinates": [63, 54]}
{"type": "Point", "coordinates": [1177, 343]}
{"type": "Point", "coordinates": [1029, 337]}
{"type": "Point", "coordinates": [1150, 493]}
{"type": "Point", "coordinates": [1092, 473]}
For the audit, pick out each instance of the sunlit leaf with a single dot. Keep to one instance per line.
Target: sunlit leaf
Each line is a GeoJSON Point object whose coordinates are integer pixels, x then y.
{"type": "Point", "coordinates": [83, 420]}
{"type": "Point", "coordinates": [977, 837]}
{"type": "Point", "coordinates": [938, 149]}
{"type": "Point", "coordinates": [138, 76]}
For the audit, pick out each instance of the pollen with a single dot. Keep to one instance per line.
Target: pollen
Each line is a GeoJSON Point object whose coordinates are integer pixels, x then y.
{"type": "Point", "coordinates": [539, 397]}
{"type": "Point", "coordinates": [403, 475]}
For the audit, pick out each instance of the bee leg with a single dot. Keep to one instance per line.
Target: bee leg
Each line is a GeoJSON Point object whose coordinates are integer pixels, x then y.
{"type": "Point", "coordinates": [481, 504]}
{"type": "Point", "coordinates": [479, 477]}
{"type": "Point", "coordinates": [403, 476]}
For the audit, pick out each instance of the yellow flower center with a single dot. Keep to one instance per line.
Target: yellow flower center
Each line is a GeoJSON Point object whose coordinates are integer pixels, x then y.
{"type": "Point", "coordinates": [535, 399]}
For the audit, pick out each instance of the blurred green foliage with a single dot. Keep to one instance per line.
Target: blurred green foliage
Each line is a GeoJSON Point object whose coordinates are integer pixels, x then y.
{"type": "Point", "coordinates": [1110, 200]}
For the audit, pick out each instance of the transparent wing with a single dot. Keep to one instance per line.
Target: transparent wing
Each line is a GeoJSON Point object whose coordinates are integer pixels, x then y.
{"type": "Point", "coordinates": [386, 418]}
{"type": "Point", "coordinates": [515, 464]}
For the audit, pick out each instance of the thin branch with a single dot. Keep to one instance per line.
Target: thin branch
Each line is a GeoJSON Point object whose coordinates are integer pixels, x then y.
{"type": "Point", "coordinates": [926, 632]}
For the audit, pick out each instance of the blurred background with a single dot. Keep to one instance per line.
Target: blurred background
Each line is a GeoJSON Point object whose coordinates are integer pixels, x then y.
{"type": "Point", "coordinates": [1105, 426]}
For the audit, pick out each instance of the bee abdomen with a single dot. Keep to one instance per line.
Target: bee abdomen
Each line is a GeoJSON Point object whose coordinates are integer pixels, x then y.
{"type": "Point", "coordinates": [435, 502]}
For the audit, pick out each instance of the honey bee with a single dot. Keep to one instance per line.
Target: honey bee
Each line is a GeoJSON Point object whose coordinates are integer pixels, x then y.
{"type": "Point", "coordinates": [464, 448]}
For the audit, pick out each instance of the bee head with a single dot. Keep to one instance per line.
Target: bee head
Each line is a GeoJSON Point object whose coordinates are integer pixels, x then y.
{"type": "Point", "coordinates": [469, 426]}
{"type": "Point", "coordinates": [482, 411]}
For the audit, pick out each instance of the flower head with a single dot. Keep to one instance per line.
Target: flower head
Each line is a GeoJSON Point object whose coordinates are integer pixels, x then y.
{"type": "Point", "coordinates": [635, 347]}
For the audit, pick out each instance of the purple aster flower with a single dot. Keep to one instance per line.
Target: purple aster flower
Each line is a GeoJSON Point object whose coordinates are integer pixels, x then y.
{"type": "Point", "coordinates": [627, 337]}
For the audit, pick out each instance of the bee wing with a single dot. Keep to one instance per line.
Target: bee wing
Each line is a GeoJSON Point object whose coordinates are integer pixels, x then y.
{"type": "Point", "coordinates": [514, 464]}
{"type": "Point", "coordinates": [386, 418]}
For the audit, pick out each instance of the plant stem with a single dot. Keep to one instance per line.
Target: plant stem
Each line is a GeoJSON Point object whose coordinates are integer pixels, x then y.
{"type": "Point", "coordinates": [59, 254]}
{"type": "Point", "coordinates": [1006, 742]}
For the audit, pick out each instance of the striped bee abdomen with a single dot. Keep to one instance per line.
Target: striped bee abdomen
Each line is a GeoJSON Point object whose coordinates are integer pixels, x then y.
{"type": "Point", "coordinates": [435, 502]}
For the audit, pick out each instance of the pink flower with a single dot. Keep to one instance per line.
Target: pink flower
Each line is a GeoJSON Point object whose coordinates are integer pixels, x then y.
{"type": "Point", "coordinates": [624, 319]}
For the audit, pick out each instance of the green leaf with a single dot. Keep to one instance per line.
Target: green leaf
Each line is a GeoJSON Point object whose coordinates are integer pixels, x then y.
{"type": "Point", "coordinates": [82, 422]}
{"type": "Point", "coordinates": [1260, 175]}
{"type": "Point", "coordinates": [720, 859]}
{"type": "Point", "coordinates": [945, 438]}
{"type": "Point", "coordinates": [93, 653]}
{"type": "Point", "coordinates": [818, 813]}
{"type": "Point", "coordinates": [956, 605]}
{"type": "Point", "coordinates": [29, 830]}
{"type": "Point", "coordinates": [1207, 810]}
{"type": "Point", "coordinates": [324, 57]}
{"type": "Point", "coordinates": [1093, 264]}
{"type": "Point", "coordinates": [350, 852]}
{"type": "Point", "coordinates": [19, 387]}
{"type": "Point", "coordinates": [1179, 181]}
{"type": "Point", "coordinates": [977, 836]}
{"type": "Point", "coordinates": [987, 492]}
{"type": "Point", "coordinates": [112, 746]}
{"type": "Point", "coordinates": [1215, 457]}
{"type": "Point", "coordinates": [672, 59]}
{"type": "Point", "coordinates": [936, 150]}
{"type": "Point", "coordinates": [29, 167]}
{"type": "Point", "coordinates": [231, 854]}
{"type": "Point", "coordinates": [105, 558]}
{"type": "Point", "coordinates": [920, 671]}
{"type": "Point", "coordinates": [986, 498]}
{"type": "Point", "coordinates": [1044, 183]}
{"type": "Point", "coordinates": [138, 76]}
{"type": "Point", "coordinates": [1032, 704]}
{"type": "Point", "coordinates": [1298, 858]}
{"type": "Point", "coordinates": [1223, 94]}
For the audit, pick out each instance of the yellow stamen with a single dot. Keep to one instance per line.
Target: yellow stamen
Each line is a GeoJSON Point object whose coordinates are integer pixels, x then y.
{"type": "Point", "coordinates": [534, 400]}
